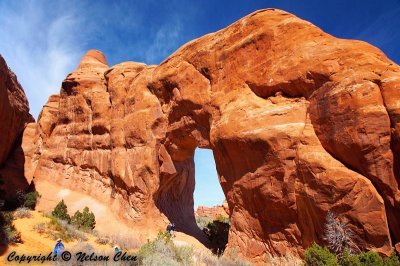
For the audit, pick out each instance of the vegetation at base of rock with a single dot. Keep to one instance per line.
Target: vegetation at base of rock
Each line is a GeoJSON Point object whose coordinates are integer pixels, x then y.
{"type": "Point", "coordinates": [392, 260]}
{"type": "Point", "coordinates": [22, 213]}
{"type": "Point", "coordinates": [8, 233]}
{"type": "Point", "coordinates": [40, 228]}
{"type": "Point", "coordinates": [84, 220]}
{"type": "Point", "coordinates": [102, 240]}
{"type": "Point", "coordinates": [338, 235]}
{"type": "Point", "coordinates": [163, 251]}
{"type": "Point", "coordinates": [61, 211]}
{"type": "Point", "coordinates": [217, 232]}
{"type": "Point", "coordinates": [30, 199]}
{"type": "Point", "coordinates": [321, 256]}
{"type": "Point", "coordinates": [58, 228]}
{"type": "Point", "coordinates": [203, 221]}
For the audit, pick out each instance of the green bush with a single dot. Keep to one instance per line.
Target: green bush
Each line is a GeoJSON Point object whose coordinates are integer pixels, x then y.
{"type": "Point", "coordinates": [392, 260]}
{"type": "Point", "coordinates": [61, 229]}
{"type": "Point", "coordinates": [30, 199]}
{"type": "Point", "coordinates": [84, 220]}
{"type": "Point", "coordinates": [349, 260]}
{"type": "Point", "coordinates": [217, 232]}
{"type": "Point", "coordinates": [61, 212]}
{"type": "Point", "coordinates": [8, 233]}
{"type": "Point", "coordinates": [370, 258]}
{"type": "Point", "coordinates": [319, 256]}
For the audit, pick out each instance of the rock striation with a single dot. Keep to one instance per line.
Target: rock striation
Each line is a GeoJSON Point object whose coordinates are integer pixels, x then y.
{"type": "Point", "coordinates": [299, 122]}
{"type": "Point", "coordinates": [213, 212]}
{"type": "Point", "coordinates": [14, 116]}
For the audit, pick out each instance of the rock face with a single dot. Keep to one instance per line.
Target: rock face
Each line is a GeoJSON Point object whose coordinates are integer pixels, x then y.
{"type": "Point", "coordinates": [214, 212]}
{"type": "Point", "coordinates": [299, 122]}
{"type": "Point", "coordinates": [14, 116]}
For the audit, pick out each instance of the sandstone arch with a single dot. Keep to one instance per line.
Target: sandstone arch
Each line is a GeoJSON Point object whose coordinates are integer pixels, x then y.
{"type": "Point", "coordinates": [299, 123]}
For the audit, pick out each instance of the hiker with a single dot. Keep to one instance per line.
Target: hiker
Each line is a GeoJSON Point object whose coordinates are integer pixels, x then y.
{"type": "Point", "coordinates": [172, 230]}
{"type": "Point", "coordinates": [116, 249]}
{"type": "Point", "coordinates": [58, 249]}
{"type": "Point", "coordinates": [169, 226]}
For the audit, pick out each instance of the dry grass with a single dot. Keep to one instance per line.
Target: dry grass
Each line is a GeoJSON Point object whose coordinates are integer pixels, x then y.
{"type": "Point", "coordinates": [288, 260]}
{"type": "Point", "coordinates": [125, 241]}
{"type": "Point", "coordinates": [22, 213]}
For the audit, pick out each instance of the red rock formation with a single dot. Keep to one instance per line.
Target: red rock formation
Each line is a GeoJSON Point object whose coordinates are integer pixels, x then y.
{"type": "Point", "coordinates": [214, 212]}
{"type": "Point", "coordinates": [299, 122]}
{"type": "Point", "coordinates": [14, 116]}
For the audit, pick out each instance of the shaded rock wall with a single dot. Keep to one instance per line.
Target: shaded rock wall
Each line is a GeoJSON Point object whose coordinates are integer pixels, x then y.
{"type": "Point", "coordinates": [299, 122]}
{"type": "Point", "coordinates": [14, 116]}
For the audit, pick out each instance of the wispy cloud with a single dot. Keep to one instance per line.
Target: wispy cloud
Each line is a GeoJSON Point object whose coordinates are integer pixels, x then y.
{"type": "Point", "coordinates": [165, 41]}
{"type": "Point", "coordinates": [379, 34]}
{"type": "Point", "coordinates": [42, 41]}
{"type": "Point", "coordinates": [40, 46]}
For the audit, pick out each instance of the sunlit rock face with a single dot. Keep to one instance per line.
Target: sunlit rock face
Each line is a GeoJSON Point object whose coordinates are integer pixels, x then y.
{"type": "Point", "coordinates": [299, 122]}
{"type": "Point", "coordinates": [14, 116]}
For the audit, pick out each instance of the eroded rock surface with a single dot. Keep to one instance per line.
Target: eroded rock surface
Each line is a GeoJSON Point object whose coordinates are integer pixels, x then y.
{"type": "Point", "coordinates": [14, 116]}
{"type": "Point", "coordinates": [299, 122]}
{"type": "Point", "coordinates": [214, 212]}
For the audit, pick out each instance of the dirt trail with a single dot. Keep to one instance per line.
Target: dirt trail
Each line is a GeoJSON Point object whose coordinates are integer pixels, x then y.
{"type": "Point", "coordinates": [35, 243]}
{"type": "Point", "coordinates": [106, 222]}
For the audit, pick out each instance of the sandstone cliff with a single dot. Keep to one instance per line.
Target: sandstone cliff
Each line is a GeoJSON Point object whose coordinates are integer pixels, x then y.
{"type": "Point", "coordinates": [213, 212]}
{"type": "Point", "coordinates": [14, 116]}
{"type": "Point", "coordinates": [300, 123]}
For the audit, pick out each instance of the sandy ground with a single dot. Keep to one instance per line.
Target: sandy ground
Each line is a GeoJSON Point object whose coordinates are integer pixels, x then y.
{"type": "Point", "coordinates": [106, 224]}
{"type": "Point", "coordinates": [34, 243]}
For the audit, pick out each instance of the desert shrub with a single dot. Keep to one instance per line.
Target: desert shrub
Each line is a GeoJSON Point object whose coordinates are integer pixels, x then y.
{"type": "Point", "coordinates": [40, 228]}
{"type": "Point", "coordinates": [205, 257]}
{"type": "Point", "coordinates": [84, 220]}
{"type": "Point", "coordinates": [61, 229]}
{"type": "Point", "coordinates": [184, 254]}
{"type": "Point", "coordinates": [348, 259]}
{"type": "Point", "coordinates": [223, 219]}
{"type": "Point", "coordinates": [203, 221]}
{"type": "Point", "coordinates": [217, 232]}
{"type": "Point", "coordinates": [125, 241]}
{"type": "Point", "coordinates": [232, 259]}
{"type": "Point", "coordinates": [8, 232]}
{"type": "Point", "coordinates": [162, 251]}
{"type": "Point", "coordinates": [61, 211]}
{"type": "Point", "coordinates": [370, 258]}
{"type": "Point", "coordinates": [319, 256]}
{"type": "Point", "coordinates": [22, 213]}
{"type": "Point", "coordinates": [102, 240]}
{"type": "Point", "coordinates": [392, 260]}
{"type": "Point", "coordinates": [159, 259]}
{"type": "Point", "coordinates": [338, 235]}
{"type": "Point", "coordinates": [30, 199]}
{"type": "Point", "coordinates": [287, 259]}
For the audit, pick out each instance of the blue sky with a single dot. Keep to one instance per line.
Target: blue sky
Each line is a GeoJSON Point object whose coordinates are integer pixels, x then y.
{"type": "Point", "coordinates": [42, 41]}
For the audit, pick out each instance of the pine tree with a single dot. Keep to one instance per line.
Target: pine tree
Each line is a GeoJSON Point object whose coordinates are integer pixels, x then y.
{"type": "Point", "coordinates": [84, 220]}
{"type": "Point", "coordinates": [61, 211]}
